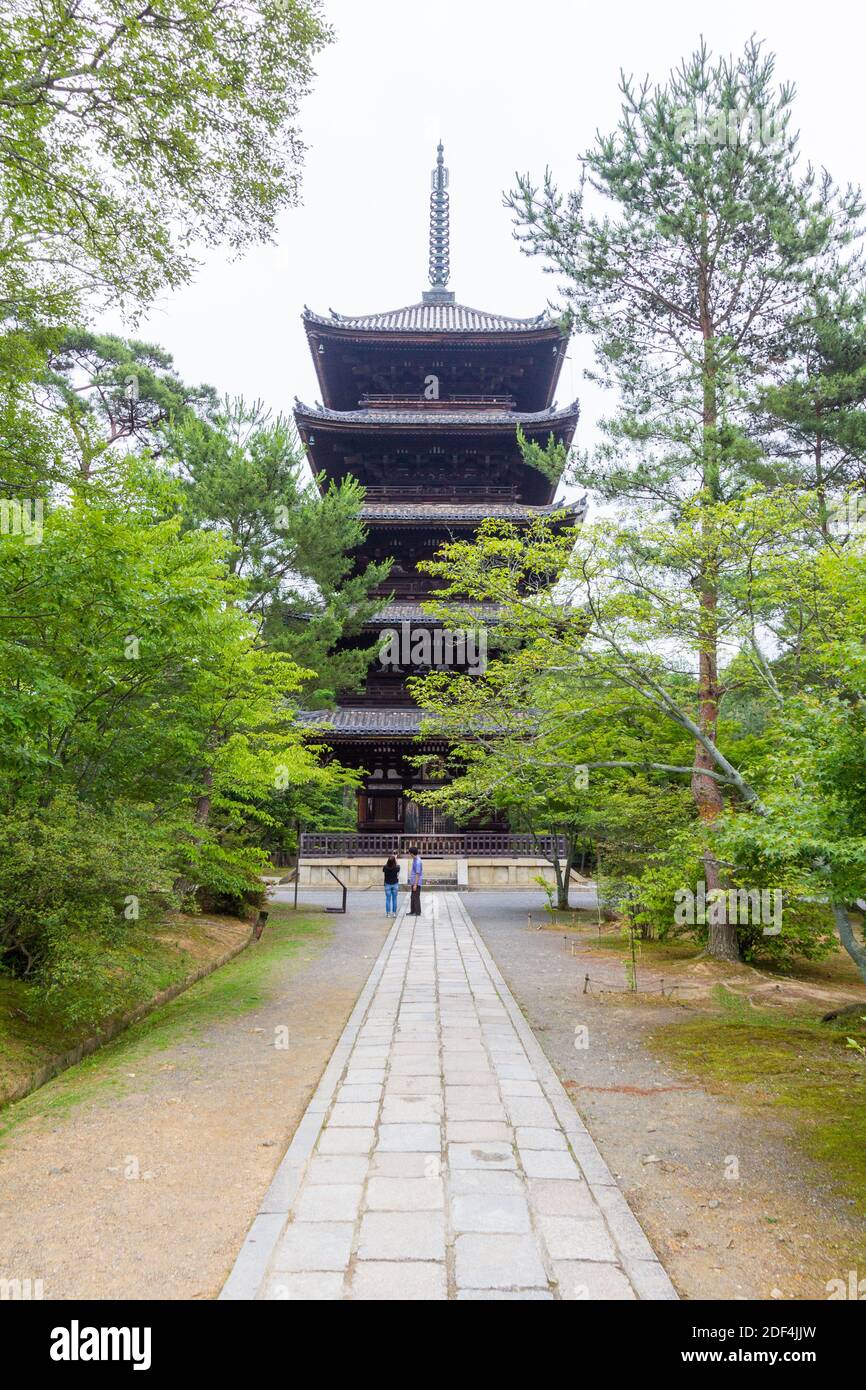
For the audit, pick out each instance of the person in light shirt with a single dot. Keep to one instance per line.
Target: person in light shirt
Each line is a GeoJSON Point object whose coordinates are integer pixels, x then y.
{"type": "Point", "coordinates": [416, 874]}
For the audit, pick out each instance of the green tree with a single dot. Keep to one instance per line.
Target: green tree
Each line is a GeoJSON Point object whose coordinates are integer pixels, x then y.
{"type": "Point", "coordinates": [78, 885]}
{"type": "Point", "coordinates": [246, 477]}
{"type": "Point", "coordinates": [609, 636]}
{"type": "Point", "coordinates": [129, 135]}
{"type": "Point", "coordinates": [145, 727]}
{"type": "Point", "coordinates": [544, 733]}
{"type": "Point", "coordinates": [811, 757]}
{"type": "Point", "coordinates": [130, 672]}
{"type": "Point", "coordinates": [108, 394]}
{"type": "Point", "coordinates": [811, 416]}
{"type": "Point", "coordinates": [712, 244]}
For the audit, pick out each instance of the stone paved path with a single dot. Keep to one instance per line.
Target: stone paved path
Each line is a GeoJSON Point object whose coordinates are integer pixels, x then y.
{"type": "Point", "coordinates": [440, 1158]}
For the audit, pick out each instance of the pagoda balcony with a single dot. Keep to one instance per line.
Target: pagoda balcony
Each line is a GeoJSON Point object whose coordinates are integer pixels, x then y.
{"type": "Point", "coordinates": [380, 693]}
{"type": "Point", "coordinates": [411, 401]}
{"type": "Point", "coordinates": [447, 492]}
{"type": "Point", "coordinates": [416, 586]}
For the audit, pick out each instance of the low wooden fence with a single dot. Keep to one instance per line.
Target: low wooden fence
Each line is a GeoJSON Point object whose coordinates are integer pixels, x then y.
{"type": "Point", "coordinates": [462, 844]}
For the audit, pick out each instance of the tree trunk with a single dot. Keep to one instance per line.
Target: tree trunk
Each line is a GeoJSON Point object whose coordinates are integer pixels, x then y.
{"type": "Point", "coordinates": [722, 936]}
{"type": "Point", "coordinates": [297, 862]}
{"type": "Point", "coordinates": [184, 885]}
{"type": "Point", "coordinates": [820, 489]}
{"type": "Point", "coordinates": [722, 939]}
{"type": "Point", "coordinates": [202, 808]}
{"type": "Point", "coordinates": [848, 939]}
{"type": "Point", "coordinates": [563, 883]}
{"type": "Point", "coordinates": [561, 891]}
{"type": "Point", "coordinates": [570, 851]}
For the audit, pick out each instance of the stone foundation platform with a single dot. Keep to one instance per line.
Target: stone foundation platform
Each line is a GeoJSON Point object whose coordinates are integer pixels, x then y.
{"type": "Point", "coordinates": [462, 874]}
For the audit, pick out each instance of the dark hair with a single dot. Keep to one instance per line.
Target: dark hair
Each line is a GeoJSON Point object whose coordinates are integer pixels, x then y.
{"type": "Point", "coordinates": [392, 859]}
{"type": "Point", "coordinates": [414, 850]}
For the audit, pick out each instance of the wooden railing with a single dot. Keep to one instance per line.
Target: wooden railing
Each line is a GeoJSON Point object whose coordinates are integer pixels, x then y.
{"type": "Point", "coordinates": [445, 492]}
{"type": "Point", "coordinates": [403, 400]}
{"type": "Point", "coordinates": [459, 844]}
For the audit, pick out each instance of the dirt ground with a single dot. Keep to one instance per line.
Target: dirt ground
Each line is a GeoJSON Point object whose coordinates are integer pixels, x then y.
{"type": "Point", "coordinates": [775, 1230]}
{"type": "Point", "coordinates": [136, 1174]}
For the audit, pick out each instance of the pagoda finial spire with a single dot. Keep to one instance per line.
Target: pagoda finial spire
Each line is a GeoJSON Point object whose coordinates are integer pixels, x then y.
{"type": "Point", "coordinates": [439, 231]}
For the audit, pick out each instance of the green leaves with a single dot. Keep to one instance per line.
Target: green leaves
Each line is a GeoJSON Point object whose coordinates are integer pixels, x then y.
{"type": "Point", "coordinates": [147, 731]}
{"type": "Point", "coordinates": [549, 459]}
{"type": "Point", "coordinates": [128, 137]}
{"type": "Point", "coordinates": [291, 545]}
{"type": "Point", "coordinates": [78, 886]}
{"type": "Point", "coordinates": [722, 286]}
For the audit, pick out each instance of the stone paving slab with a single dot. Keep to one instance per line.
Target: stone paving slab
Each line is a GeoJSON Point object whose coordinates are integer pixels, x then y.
{"type": "Point", "coordinates": [440, 1157]}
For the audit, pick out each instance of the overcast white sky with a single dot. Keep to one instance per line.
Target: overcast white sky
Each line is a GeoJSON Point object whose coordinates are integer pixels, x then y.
{"type": "Point", "coordinates": [507, 85]}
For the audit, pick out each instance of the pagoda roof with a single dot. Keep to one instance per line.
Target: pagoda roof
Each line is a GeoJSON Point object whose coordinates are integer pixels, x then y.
{"type": "Point", "coordinates": [348, 723]}
{"type": "Point", "coordinates": [467, 514]}
{"type": "Point", "coordinates": [365, 720]}
{"type": "Point", "coordinates": [434, 315]}
{"type": "Point", "coordinates": [438, 419]}
{"type": "Point", "coordinates": [353, 353]}
{"type": "Point", "coordinates": [398, 612]}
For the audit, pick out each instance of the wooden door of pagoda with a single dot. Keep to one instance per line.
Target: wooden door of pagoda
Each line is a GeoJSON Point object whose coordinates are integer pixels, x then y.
{"type": "Point", "coordinates": [383, 810]}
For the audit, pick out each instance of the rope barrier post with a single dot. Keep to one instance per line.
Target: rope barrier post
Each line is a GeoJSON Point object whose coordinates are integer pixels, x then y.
{"type": "Point", "coordinates": [297, 863]}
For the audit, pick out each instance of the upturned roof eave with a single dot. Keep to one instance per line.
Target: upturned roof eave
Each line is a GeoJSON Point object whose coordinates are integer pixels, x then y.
{"type": "Point", "coordinates": [497, 326]}
{"type": "Point", "coordinates": [439, 421]}
{"type": "Point", "coordinates": [334, 726]}
{"type": "Point", "coordinates": [389, 723]}
{"type": "Point", "coordinates": [415, 514]}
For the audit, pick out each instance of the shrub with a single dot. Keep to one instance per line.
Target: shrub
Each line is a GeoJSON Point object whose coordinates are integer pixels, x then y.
{"type": "Point", "coordinates": [223, 875]}
{"type": "Point", "coordinates": [77, 885]}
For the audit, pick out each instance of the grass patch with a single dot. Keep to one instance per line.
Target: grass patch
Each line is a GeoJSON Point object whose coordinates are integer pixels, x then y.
{"type": "Point", "coordinates": [32, 1034]}
{"type": "Point", "coordinates": [232, 990]}
{"type": "Point", "coordinates": [792, 1064]}
{"type": "Point", "coordinates": [26, 1042]}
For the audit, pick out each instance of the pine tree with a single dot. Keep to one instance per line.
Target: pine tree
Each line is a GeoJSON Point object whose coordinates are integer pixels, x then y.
{"type": "Point", "coordinates": [706, 244]}
{"type": "Point", "coordinates": [811, 414]}
{"type": "Point", "coordinates": [246, 475]}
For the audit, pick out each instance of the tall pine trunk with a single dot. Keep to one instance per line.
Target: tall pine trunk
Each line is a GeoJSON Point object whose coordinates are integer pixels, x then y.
{"type": "Point", "coordinates": [722, 936]}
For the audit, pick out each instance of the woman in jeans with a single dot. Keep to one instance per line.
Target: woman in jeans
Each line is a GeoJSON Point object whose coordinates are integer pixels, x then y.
{"type": "Point", "coordinates": [391, 873]}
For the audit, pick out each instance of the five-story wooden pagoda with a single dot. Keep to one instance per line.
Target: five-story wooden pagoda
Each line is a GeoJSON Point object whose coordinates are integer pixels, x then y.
{"type": "Point", "coordinates": [422, 405]}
